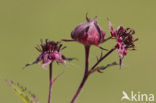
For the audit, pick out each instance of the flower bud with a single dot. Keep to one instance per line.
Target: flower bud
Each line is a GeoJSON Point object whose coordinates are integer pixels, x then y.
{"type": "Point", "coordinates": [88, 33]}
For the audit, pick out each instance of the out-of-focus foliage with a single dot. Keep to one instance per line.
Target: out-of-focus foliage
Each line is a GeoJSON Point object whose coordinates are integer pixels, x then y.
{"type": "Point", "coordinates": [23, 93]}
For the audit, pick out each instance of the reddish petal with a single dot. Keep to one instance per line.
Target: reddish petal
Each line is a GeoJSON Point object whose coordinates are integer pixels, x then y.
{"type": "Point", "coordinates": [111, 28]}
{"type": "Point", "coordinates": [57, 56]}
{"type": "Point", "coordinates": [119, 28]}
{"type": "Point", "coordinates": [34, 62]}
{"type": "Point", "coordinates": [46, 63]}
{"type": "Point", "coordinates": [45, 58]}
{"type": "Point", "coordinates": [121, 60]}
{"type": "Point", "coordinates": [122, 51]}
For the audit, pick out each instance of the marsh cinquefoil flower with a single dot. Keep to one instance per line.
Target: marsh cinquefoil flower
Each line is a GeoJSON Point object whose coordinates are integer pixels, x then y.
{"type": "Point", "coordinates": [88, 33]}
{"type": "Point", "coordinates": [50, 51]}
{"type": "Point", "coordinates": [124, 38]}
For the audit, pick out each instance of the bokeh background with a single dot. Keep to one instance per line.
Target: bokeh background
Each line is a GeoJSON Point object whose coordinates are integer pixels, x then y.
{"type": "Point", "coordinates": [24, 22]}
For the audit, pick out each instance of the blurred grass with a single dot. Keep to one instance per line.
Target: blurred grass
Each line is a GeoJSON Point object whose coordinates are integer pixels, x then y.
{"type": "Point", "coordinates": [24, 22]}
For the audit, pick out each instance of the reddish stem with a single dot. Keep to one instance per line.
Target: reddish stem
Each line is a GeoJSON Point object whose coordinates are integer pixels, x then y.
{"type": "Point", "coordinates": [50, 82]}
{"type": "Point", "coordinates": [88, 72]}
{"type": "Point", "coordinates": [103, 57]}
{"type": "Point", "coordinates": [87, 48]}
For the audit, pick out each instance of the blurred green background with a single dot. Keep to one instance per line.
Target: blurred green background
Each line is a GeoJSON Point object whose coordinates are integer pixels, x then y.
{"type": "Point", "coordinates": [24, 22]}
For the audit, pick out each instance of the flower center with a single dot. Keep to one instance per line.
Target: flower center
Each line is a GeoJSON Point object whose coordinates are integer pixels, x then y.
{"type": "Point", "coordinates": [127, 38]}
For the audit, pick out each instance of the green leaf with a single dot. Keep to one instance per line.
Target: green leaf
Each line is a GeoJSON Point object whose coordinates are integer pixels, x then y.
{"type": "Point", "coordinates": [23, 93]}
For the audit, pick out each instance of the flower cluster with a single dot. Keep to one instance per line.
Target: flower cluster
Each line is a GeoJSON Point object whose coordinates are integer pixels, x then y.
{"type": "Point", "coordinates": [88, 33]}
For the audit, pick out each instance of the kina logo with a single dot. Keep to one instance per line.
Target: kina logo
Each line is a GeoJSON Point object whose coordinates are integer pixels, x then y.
{"type": "Point", "coordinates": [137, 96]}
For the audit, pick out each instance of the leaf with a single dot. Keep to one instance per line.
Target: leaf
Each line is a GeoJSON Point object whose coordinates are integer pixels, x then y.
{"type": "Point", "coordinates": [22, 92]}
{"type": "Point", "coordinates": [108, 65]}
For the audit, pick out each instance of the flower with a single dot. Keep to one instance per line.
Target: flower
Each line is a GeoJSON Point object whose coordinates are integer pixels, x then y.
{"type": "Point", "coordinates": [50, 51]}
{"type": "Point", "coordinates": [124, 38]}
{"type": "Point", "coordinates": [88, 33]}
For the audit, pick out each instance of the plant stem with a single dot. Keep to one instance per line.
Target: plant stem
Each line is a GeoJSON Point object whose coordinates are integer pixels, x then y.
{"type": "Point", "coordinates": [50, 82]}
{"type": "Point", "coordinates": [85, 77]}
{"type": "Point", "coordinates": [87, 49]}
{"type": "Point", "coordinates": [88, 72]}
{"type": "Point", "coordinates": [103, 57]}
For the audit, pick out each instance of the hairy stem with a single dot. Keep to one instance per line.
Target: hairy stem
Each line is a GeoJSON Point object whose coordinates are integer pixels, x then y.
{"type": "Point", "coordinates": [50, 82]}
{"type": "Point", "coordinates": [85, 77]}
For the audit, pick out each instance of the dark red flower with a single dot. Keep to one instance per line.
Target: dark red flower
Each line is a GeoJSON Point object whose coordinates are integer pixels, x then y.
{"type": "Point", "coordinates": [88, 33]}
{"type": "Point", "coordinates": [124, 38]}
{"type": "Point", "coordinates": [50, 51]}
